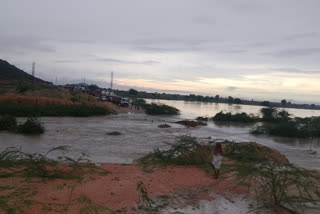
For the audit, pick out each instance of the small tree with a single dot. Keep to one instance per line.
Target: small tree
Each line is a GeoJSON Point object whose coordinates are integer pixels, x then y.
{"type": "Point", "coordinates": [268, 114]}
{"type": "Point", "coordinates": [283, 102]}
{"type": "Point", "coordinates": [237, 101]}
{"type": "Point", "coordinates": [133, 92]}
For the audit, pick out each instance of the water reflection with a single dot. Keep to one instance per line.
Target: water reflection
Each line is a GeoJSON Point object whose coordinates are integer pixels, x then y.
{"type": "Point", "coordinates": [192, 110]}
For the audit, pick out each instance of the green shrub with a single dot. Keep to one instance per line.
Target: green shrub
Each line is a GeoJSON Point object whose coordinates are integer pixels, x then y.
{"type": "Point", "coordinates": [239, 117]}
{"type": "Point", "coordinates": [297, 127]}
{"type": "Point", "coordinates": [7, 122]}
{"type": "Point", "coordinates": [31, 126]}
{"type": "Point", "coordinates": [276, 183]}
{"type": "Point", "coordinates": [139, 102]}
{"type": "Point", "coordinates": [21, 110]}
{"type": "Point", "coordinates": [185, 150]}
{"type": "Point", "coordinates": [160, 109]}
{"type": "Point", "coordinates": [202, 118]}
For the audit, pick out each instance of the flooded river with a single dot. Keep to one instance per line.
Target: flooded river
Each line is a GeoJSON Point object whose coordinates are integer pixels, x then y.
{"type": "Point", "coordinates": [140, 134]}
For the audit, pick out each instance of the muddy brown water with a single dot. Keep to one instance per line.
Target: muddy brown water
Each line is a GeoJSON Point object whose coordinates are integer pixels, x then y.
{"type": "Point", "coordinates": [140, 134]}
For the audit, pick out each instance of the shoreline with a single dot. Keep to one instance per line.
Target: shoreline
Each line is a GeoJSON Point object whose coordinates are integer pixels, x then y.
{"type": "Point", "coordinates": [115, 187]}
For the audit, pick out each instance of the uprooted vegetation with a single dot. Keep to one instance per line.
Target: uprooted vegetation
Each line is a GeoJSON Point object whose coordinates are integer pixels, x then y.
{"type": "Point", "coordinates": [16, 164]}
{"type": "Point", "coordinates": [265, 172]}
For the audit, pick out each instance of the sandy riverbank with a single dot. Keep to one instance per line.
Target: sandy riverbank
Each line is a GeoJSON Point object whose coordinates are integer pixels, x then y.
{"type": "Point", "coordinates": [118, 189]}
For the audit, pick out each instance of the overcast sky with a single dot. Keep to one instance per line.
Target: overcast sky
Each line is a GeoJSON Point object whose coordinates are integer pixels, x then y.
{"type": "Point", "coordinates": [244, 48]}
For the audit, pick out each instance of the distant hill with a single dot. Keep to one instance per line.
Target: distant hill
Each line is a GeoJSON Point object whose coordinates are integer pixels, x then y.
{"type": "Point", "coordinates": [11, 73]}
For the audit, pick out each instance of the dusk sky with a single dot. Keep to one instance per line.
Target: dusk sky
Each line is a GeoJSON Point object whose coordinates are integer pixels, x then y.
{"type": "Point", "coordinates": [243, 48]}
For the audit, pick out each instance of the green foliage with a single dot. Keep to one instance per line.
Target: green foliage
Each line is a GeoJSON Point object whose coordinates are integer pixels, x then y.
{"type": "Point", "coordinates": [297, 127]}
{"type": "Point", "coordinates": [21, 110]}
{"type": "Point", "coordinates": [185, 150]}
{"type": "Point", "coordinates": [15, 163]}
{"type": "Point", "coordinates": [160, 109]}
{"type": "Point", "coordinates": [93, 87]}
{"type": "Point", "coordinates": [31, 126]}
{"type": "Point", "coordinates": [133, 92]}
{"type": "Point", "coordinates": [29, 86]}
{"type": "Point", "coordinates": [7, 122]}
{"type": "Point", "coordinates": [139, 102]}
{"type": "Point", "coordinates": [202, 118]}
{"type": "Point", "coordinates": [239, 117]}
{"type": "Point", "coordinates": [276, 183]}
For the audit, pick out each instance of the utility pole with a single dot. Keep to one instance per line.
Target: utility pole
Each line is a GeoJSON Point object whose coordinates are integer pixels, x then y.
{"type": "Point", "coordinates": [33, 71]}
{"type": "Point", "coordinates": [111, 81]}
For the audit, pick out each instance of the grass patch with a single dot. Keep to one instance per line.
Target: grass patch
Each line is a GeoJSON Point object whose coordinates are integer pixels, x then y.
{"type": "Point", "coordinates": [160, 109]}
{"type": "Point", "coordinates": [15, 163]}
{"type": "Point", "coordinates": [22, 110]}
{"type": "Point", "coordinates": [16, 199]}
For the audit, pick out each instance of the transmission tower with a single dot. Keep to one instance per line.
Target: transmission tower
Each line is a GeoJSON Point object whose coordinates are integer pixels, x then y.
{"type": "Point", "coordinates": [111, 81]}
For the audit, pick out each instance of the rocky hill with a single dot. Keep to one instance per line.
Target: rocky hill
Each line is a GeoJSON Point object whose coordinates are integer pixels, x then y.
{"type": "Point", "coordinates": [10, 73]}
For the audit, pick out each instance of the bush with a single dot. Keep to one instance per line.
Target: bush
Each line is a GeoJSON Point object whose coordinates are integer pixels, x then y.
{"type": "Point", "coordinates": [185, 150]}
{"type": "Point", "coordinates": [277, 183]}
{"type": "Point", "coordinates": [139, 102]}
{"type": "Point", "coordinates": [298, 127]}
{"type": "Point", "coordinates": [21, 110]}
{"type": "Point", "coordinates": [7, 122]}
{"type": "Point", "coordinates": [31, 126]}
{"type": "Point", "coordinates": [229, 117]}
{"type": "Point", "coordinates": [160, 109]}
{"type": "Point", "coordinates": [202, 118]}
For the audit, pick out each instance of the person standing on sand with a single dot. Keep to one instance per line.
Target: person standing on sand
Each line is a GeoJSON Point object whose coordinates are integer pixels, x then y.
{"type": "Point", "coordinates": [217, 159]}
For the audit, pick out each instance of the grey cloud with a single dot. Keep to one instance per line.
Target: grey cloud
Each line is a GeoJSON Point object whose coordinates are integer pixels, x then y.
{"type": "Point", "coordinates": [169, 44]}
{"type": "Point", "coordinates": [295, 70]}
{"type": "Point", "coordinates": [231, 88]}
{"type": "Point", "coordinates": [113, 60]}
{"type": "Point", "coordinates": [68, 61]}
{"type": "Point", "coordinates": [294, 52]}
{"type": "Point", "coordinates": [20, 43]}
{"type": "Point", "coordinates": [301, 36]}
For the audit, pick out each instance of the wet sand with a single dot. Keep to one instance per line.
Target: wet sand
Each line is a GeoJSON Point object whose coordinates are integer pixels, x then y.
{"type": "Point", "coordinates": [118, 189]}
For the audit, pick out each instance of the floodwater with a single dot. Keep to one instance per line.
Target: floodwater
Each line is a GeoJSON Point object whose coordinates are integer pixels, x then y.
{"type": "Point", "coordinates": [140, 134]}
{"type": "Point", "coordinates": [193, 109]}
